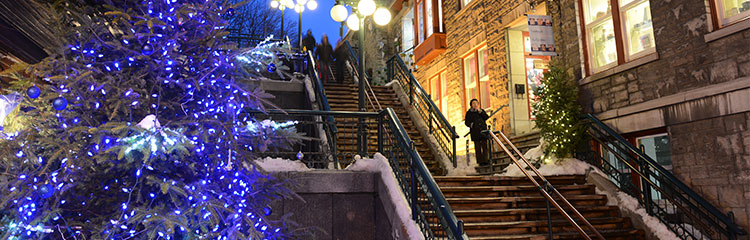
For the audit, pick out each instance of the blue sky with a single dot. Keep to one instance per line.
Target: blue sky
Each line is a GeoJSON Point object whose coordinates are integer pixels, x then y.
{"type": "Point", "coordinates": [319, 21]}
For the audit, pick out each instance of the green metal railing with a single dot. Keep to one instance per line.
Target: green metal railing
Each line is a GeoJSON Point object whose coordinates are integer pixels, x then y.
{"type": "Point", "coordinates": [680, 208]}
{"type": "Point", "coordinates": [438, 125]}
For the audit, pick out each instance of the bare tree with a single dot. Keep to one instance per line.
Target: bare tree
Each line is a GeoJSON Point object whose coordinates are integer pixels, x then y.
{"type": "Point", "coordinates": [255, 20]}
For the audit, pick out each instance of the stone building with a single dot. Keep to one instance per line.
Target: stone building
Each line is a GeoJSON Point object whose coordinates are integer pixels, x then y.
{"type": "Point", "coordinates": [672, 76]}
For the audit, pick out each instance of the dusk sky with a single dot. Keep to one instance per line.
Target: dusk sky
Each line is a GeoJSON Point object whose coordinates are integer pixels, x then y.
{"type": "Point", "coordinates": [318, 20]}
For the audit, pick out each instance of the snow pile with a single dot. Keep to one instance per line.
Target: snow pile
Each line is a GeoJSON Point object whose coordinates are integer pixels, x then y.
{"type": "Point", "coordinates": [380, 165]}
{"type": "Point", "coordinates": [623, 200]}
{"type": "Point", "coordinates": [309, 88]}
{"type": "Point", "coordinates": [281, 165]}
{"type": "Point", "coordinates": [463, 168]}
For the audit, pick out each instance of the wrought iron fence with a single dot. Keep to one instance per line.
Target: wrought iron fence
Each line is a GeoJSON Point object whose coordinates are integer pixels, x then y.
{"type": "Point", "coordinates": [682, 210]}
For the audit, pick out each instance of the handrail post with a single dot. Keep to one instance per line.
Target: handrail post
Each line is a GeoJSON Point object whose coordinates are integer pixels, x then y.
{"type": "Point", "coordinates": [549, 213]}
{"type": "Point", "coordinates": [411, 91]}
{"type": "Point", "coordinates": [413, 184]}
{"type": "Point", "coordinates": [460, 232]}
{"type": "Point", "coordinates": [430, 113]}
{"type": "Point", "coordinates": [454, 138]}
{"type": "Point", "coordinates": [380, 131]}
{"type": "Point", "coordinates": [645, 187]}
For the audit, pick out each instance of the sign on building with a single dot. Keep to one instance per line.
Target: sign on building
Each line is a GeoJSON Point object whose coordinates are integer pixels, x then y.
{"type": "Point", "coordinates": [541, 36]}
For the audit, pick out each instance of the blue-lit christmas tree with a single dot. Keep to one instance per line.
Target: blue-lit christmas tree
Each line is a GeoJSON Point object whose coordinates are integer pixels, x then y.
{"type": "Point", "coordinates": [137, 130]}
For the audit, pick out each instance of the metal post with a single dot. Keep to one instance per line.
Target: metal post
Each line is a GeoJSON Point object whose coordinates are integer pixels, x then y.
{"type": "Point", "coordinates": [411, 91]}
{"type": "Point", "coordinates": [455, 161]}
{"type": "Point", "coordinates": [549, 214]}
{"type": "Point", "coordinates": [282, 23]}
{"type": "Point", "coordinates": [380, 131]}
{"type": "Point", "coordinates": [299, 30]}
{"type": "Point", "coordinates": [644, 183]}
{"type": "Point", "coordinates": [430, 113]}
{"type": "Point", "coordinates": [361, 121]}
{"type": "Point", "coordinates": [413, 184]}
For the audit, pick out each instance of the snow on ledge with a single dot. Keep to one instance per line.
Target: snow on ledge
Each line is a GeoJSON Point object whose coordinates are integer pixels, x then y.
{"type": "Point", "coordinates": [380, 165]}
{"type": "Point", "coordinates": [281, 165]}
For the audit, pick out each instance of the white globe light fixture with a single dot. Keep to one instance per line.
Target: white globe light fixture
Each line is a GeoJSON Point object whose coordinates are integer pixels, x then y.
{"type": "Point", "coordinates": [312, 5]}
{"type": "Point", "coordinates": [299, 8]}
{"type": "Point", "coordinates": [274, 4]}
{"type": "Point", "coordinates": [301, 2]}
{"type": "Point", "coordinates": [339, 13]}
{"type": "Point", "coordinates": [288, 3]}
{"type": "Point", "coordinates": [353, 22]}
{"type": "Point", "coordinates": [382, 16]}
{"type": "Point", "coordinates": [366, 7]}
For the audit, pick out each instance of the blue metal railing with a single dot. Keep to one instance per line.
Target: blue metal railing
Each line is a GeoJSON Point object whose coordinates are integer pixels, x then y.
{"type": "Point", "coordinates": [446, 133]}
{"type": "Point", "coordinates": [320, 96]}
{"type": "Point", "coordinates": [430, 210]}
{"type": "Point", "coordinates": [680, 208]}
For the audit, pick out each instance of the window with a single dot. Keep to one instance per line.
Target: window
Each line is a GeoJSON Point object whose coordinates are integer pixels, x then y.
{"type": "Point", "coordinates": [476, 77]}
{"type": "Point", "coordinates": [438, 90]}
{"type": "Point", "coordinates": [429, 16]}
{"type": "Point", "coordinates": [731, 11]}
{"type": "Point", "coordinates": [615, 35]}
{"type": "Point", "coordinates": [465, 2]}
{"type": "Point", "coordinates": [407, 35]}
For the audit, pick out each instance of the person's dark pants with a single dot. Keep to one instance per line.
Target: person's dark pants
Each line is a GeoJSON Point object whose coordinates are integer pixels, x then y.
{"type": "Point", "coordinates": [483, 153]}
{"type": "Point", "coordinates": [340, 71]}
{"type": "Point", "coordinates": [325, 72]}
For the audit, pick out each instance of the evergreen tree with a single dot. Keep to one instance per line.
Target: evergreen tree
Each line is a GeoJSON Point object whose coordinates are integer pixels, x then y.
{"type": "Point", "coordinates": [136, 129]}
{"type": "Point", "coordinates": [557, 112]}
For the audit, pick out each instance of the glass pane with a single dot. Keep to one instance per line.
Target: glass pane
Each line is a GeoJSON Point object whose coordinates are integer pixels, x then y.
{"type": "Point", "coordinates": [483, 65]}
{"type": "Point", "coordinates": [639, 33]}
{"type": "Point", "coordinates": [435, 88]}
{"type": "Point", "coordinates": [657, 148]}
{"type": "Point", "coordinates": [625, 2]}
{"type": "Point", "coordinates": [470, 71]}
{"type": "Point", "coordinates": [732, 10]}
{"type": "Point", "coordinates": [420, 18]}
{"type": "Point", "coordinates": [602, 44]}
{"type": "Point", "coordinates": [407, 27]}
{"type": "Point", "coordinates": [596, 9]}
{"type": "Point", "coordinates": [534, 74]}
{"type": "Point", "coordinates": [471, 93]}
{"type": "Point", "coordinates": [428, 19]}
{"type": "Point", "coordinates": [443, 92]}
{"type": "Point", "coordinates": [484, 94]}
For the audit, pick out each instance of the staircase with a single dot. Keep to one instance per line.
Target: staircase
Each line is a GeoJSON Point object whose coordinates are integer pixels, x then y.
{"type": "Point", "coordinates": [494, 207]}
{"type": "Point", "coordinates": [501, 160]}
{"type": "Point", "coordinates": [343, 97]}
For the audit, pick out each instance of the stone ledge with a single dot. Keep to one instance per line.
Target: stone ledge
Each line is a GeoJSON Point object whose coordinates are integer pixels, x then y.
{"type": "Point", "coordinates": [728, 30]}
{"type": "Point", "coordinates": [619, 68]}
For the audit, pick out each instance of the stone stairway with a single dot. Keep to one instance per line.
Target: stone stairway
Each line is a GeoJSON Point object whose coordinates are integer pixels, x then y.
{"type": "Point", "coordinates": [494, 207]}
{"type": "Point", "coordinates": [343, 97]}
{"type": "Point", "coordinates": [501, 160]}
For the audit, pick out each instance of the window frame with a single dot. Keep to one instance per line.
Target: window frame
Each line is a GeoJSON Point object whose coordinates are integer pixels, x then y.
{"type": "Point", "coordinates": [717, 16]}
{"type": "Point", "coordinates": [477, 81]}
{"type": "Point", "coordinates": [420, 12]}
{"type": "Point", "coordinates": [441, 90]}
{"type": "Point", "coordinates": [615, 15]}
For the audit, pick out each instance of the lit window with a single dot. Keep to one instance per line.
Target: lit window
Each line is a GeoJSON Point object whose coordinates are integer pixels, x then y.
{"type": "Point", "coordinates": [731, 11]}
{"type": "Point", "coordinates": [602, 34]}
{"type": "Point", "coordinates": [429, 18]}
{"type": "Point", "coordinates": [476, 77]}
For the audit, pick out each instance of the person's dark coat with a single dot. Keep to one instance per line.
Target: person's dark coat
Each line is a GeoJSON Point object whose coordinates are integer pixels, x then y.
{"type": "Point", "coordinates": [477, 122]}
{"type": "Point", "coordinates": [309, 42]}
{"type": "Point", "coordinates": [324, 53]}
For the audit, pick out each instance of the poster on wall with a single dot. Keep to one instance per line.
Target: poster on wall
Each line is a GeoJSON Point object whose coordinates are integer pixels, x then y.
{"type": "Point", "coordinates": [540, 34]}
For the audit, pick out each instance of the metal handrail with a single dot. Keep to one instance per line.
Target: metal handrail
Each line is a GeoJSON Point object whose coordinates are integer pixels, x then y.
{"type": "Point", "coordinates": [433, 112]}
{"type": "Point", "coordinates": [455, 225]}
{"type": "Point", "coordinates": [544, 190]}
{"type": "Point", "coordinates": [690, 197]}
{"type": "Point", "coordinates": [322, 99]}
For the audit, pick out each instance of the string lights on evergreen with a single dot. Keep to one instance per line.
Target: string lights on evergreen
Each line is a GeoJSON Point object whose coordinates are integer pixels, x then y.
{"type": "Point", "coordinates": [83, 168]}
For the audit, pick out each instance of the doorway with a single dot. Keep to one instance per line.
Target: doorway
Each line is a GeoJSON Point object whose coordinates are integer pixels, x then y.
{"type": "Point", "coordinates": [526, 73]}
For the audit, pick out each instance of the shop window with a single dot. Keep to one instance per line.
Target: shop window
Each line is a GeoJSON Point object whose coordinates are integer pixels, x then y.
{"type": "Point", "coordinates": [731, 11]}
{"type": "Point", "coordinates": [616, 31]}
{"type": "Point", "coordinates": [407, 32]}
{"type": "Point", "coordinates": [476, 77]}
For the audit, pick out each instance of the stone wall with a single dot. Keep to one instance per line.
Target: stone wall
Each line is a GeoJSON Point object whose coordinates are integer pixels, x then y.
{"type": "Point", "coordinates": [696, 86]}
{"type": "Point", "coordinates": [340, 205]}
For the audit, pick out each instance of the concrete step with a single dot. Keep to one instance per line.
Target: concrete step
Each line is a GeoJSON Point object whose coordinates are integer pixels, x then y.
{"type": "Point", "coordinates": [541, 226]}
{"type": "Point", "coordinates": [616, 234]}
{"type": "Point", "coordinates": [508, 191]}
{"type": "Point", "coordinates": [473, 203]}
{"type": "Point", "coordinates": [456, 181]}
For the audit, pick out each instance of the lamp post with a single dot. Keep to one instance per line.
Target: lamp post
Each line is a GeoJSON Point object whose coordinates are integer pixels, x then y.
{"type": "Point", "coordinates": [355, 22]}
{"type": "Point", "coordinates": [282, 5]}
{"type": "Point", "coordinates": [299, 8]}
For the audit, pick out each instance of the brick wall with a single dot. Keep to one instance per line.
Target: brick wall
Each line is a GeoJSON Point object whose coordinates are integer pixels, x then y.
{"type": "Point", "coordinates": [697, 89]}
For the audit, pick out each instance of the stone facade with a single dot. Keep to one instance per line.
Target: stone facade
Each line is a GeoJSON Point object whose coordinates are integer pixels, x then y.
{"type": "Point", "coordinates": [695, 87]}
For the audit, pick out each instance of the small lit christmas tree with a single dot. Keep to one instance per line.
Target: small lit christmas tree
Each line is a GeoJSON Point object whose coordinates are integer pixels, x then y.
{"type": "Point", "coordinates": [557, 112]}
{"type": "Point", "coordinates": [136, 130]}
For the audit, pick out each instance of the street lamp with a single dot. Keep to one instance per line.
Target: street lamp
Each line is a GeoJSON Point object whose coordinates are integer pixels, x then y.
{"type": "Point", "coordinates": [282, 5]}
{"type": "Point", "coordinates": [356, 22]}
{"type": "Point", "coordinates": [299, 8]}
